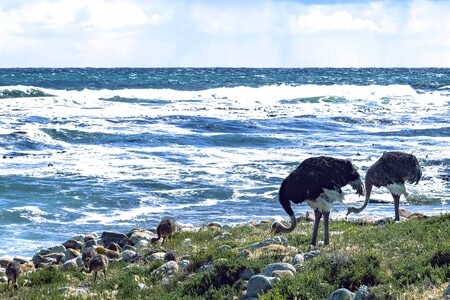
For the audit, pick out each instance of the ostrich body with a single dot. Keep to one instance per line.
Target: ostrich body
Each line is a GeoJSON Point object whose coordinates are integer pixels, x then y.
{"type": "Point", "coordinates": [392, 170]}
{"type": "Point", "coordinates": [318, 181]}
{"type": "Point", "coordinates": [88, 254]}
{"type": "Point", "coordinates": [165, 228]}
{"type": "Point", "coordinates": [13, 271]}
{"type": "Point", "coordinates": [98, 262]}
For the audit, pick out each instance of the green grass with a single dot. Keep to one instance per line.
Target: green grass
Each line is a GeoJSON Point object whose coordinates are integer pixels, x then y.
{"type": "Point", "coordinates": [403, 260]}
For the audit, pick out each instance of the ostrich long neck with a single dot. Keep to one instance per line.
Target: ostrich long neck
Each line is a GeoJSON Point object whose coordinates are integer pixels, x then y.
{"type": "Point", "coordinates": [358, 210]}
{"type": "Point", "coordinates": [291, 227]}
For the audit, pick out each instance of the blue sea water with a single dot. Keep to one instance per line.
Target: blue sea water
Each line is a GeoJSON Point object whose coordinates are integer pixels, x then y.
{"type": "Point", "coordinates": [87, 150]}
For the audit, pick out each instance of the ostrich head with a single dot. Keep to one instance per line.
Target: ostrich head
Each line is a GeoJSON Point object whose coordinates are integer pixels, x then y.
{"type": "Point", "coordinates": [277, 227]}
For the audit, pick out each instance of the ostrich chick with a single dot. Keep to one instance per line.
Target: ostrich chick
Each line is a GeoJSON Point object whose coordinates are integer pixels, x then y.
{"type": "Point", "coordinates": [98, 262]}
{"type": "Point", "coordinates": [13, 271]}
{"type": "Point", "coordinates": [166, 227]}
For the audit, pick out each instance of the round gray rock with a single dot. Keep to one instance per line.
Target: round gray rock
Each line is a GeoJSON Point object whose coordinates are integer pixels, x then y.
{"type": "Point", "coordinates": [268, 270]}
{"type": "Point", "coordinates": [259, 284]}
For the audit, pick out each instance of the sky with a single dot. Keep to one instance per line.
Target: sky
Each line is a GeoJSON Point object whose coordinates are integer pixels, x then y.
{"type": "Point", "coordinates": [224, 33]}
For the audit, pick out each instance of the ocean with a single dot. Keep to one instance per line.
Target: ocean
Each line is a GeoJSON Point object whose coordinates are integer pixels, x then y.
{"type": "Point", "coordinates": [87, 150]}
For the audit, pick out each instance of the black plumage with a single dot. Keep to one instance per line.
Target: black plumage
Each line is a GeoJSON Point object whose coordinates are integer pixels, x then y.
{"type": "Point", "coordinates": [391, 170]}
{"type": "Point", "coordinates": [317, 180]}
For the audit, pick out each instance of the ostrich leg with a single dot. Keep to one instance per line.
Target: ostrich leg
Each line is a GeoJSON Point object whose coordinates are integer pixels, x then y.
{"type": "Point", "coordinates": [326, 219]}
{"type": "Point", "coordinates": [397, 206]}
{"type": "Point", "coordinates": [317, 217]}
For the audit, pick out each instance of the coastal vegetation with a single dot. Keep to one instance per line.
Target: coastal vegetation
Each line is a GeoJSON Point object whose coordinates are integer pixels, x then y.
{"type": "Point", "coordinates": [409, 259]}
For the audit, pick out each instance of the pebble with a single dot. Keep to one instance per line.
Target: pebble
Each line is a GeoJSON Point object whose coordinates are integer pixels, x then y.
{"type": "Point", "coordinates": [224, 248]}
{"type": "Point", "coordinates": [141, 286]}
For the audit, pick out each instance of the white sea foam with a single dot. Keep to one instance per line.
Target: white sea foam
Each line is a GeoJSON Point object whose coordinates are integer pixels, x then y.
{"type": "Point", "coordinates": [172, 152]}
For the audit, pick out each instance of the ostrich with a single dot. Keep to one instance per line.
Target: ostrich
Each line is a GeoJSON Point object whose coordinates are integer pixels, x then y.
{"type": "Point", "coordinates": [166, 227]}
{"type": "Point", "coordinates": [98, 262]}
{"type": "Point", "coordinates": [13, 271]}
{"type": "Point", "coordinates": [318, 181]}
{"type": "Point", "coordinates": [391, 171]}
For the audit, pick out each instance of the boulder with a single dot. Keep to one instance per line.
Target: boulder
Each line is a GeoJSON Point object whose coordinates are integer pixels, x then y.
{"type": "Point", "coordinates": [247, 273]}
{"type": "Point", "coordinates": [341, 294]}
{"type": "Point", "coordinates": [259, 284]}
{"type": "Point", "coordinates": [109, 237]}
{"type": "Point", "coordinates": [156, 256]}
{"type": "Point", "coordinates": [138, 236]}
{"type": "Point", "coordinates": [447, 291]}
{"type": "Point", "coordinates": [298, 259]}
{"type": "Point", "coordinates": [168, 268]}
{"type": "Point", "coordinates": [282, 273]}
{"type": "Point", "coordinates": [183, 264]}
{"type": "Point", "coordinates": [129, 255]}
{"type": "Point", "coordinates": [73, 263]}
{"type": "Point", "coordinates": [270, 268]}
{"type": "Point", "coordinates": [90, 243]}
{"type": "Point", "coordinates": [71, 253]}
{"type": "Point", "coordinates": [73, 244]}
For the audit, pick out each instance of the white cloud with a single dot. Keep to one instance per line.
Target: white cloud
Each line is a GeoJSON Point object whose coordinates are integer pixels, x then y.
{"type": "Point", "coordinates": [370, 17]}
{"type": "Point", "coordinates": [241, 18]}
{"type": "Point", "coordinates": [112, 15]}
{"type": "Point", "coordinates": [315, 21]}
{"type": "Point", "coordinates": [224, 33]}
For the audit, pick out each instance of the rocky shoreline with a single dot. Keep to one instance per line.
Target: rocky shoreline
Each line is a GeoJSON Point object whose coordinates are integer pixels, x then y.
{"type": "Point", "coordinates": [136, 248]}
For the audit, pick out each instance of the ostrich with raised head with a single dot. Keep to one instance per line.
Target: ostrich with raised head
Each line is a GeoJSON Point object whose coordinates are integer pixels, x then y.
{"type": "Point", "coordinates": [392, 170]}
{"type": "Point", "coordinates": [318, 181]}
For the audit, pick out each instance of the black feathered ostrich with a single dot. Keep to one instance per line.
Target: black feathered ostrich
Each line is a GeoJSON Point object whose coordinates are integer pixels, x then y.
{"type": "Point", "coordinates": [392, 170]}
{"type": "Point", "coordinates": [318, 181]}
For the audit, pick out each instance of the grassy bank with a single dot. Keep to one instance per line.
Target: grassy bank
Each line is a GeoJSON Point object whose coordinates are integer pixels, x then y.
{"type": "Point", "coordinates": [403, 260]}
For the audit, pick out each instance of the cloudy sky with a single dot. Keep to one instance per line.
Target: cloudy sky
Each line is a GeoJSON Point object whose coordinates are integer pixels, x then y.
{"type": "Point", "coordinates": [224, 33]}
